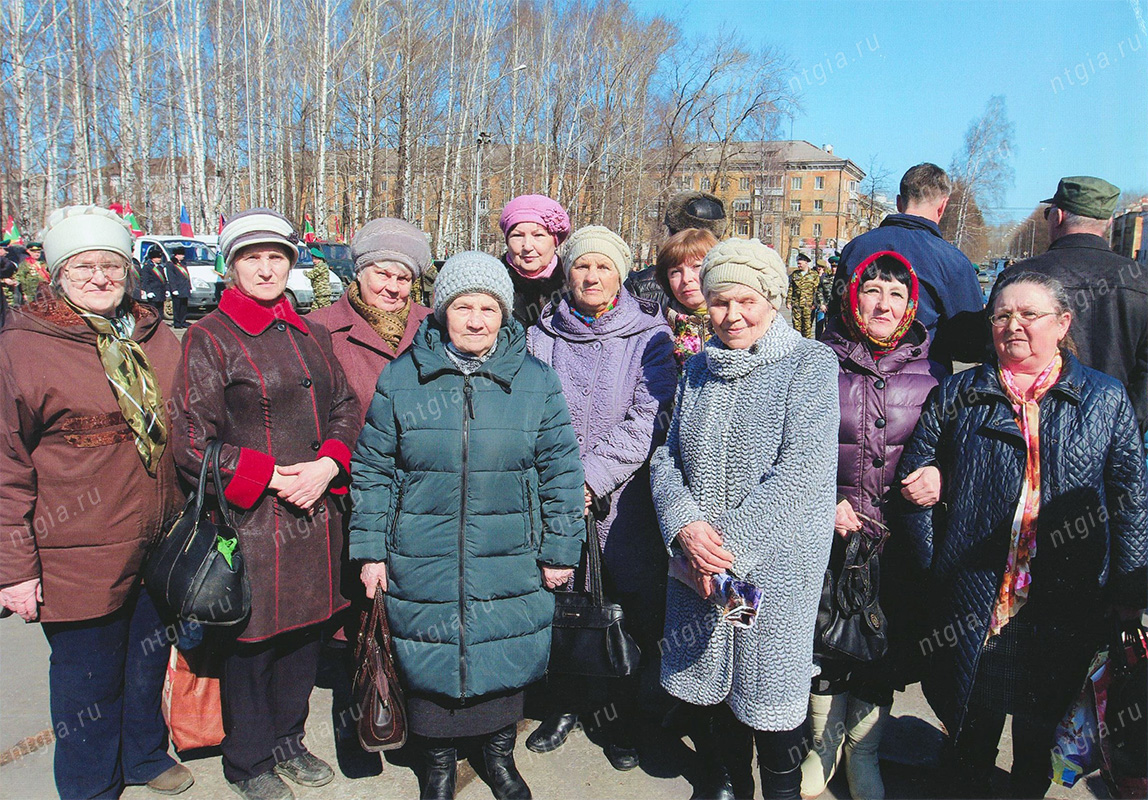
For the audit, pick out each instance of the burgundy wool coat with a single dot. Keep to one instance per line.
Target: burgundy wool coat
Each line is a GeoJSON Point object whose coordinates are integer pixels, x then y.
{"type": "Point", "coordinates": [268, 385]}
{"type": "Point", "coordinates": [360, 350]}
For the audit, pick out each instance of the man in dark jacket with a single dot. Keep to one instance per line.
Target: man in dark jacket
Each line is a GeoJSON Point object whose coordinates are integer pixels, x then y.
{"type": "Point", "coordinates": [1108, 291]}
{"type": "Point", "coordinates": [179, 284]}
{"type": "Point", "coordinates": [152, 289]}
{"type": "Point", "coordinates": [950, 303]}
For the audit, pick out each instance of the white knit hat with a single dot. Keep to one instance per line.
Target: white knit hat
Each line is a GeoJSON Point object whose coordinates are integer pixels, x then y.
{"type": "Point", "coordinates": [748, 263]}
{"type": "Point", "coordinates": [77, 229]}
{"type": "Point", "coordinates": [471, 272]}
{"type": "Point", "coordinates": [597, 239]}
{"type": "Point", "coordinates": [257, 226]}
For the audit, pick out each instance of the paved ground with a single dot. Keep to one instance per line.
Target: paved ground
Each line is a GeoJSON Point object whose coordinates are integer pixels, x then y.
{"type": "Point", "coordinates": [578, 771]}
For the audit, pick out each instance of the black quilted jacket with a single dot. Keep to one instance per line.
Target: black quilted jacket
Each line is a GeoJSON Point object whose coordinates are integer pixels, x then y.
{"type": "Point", "coordinates": [1092, 532]}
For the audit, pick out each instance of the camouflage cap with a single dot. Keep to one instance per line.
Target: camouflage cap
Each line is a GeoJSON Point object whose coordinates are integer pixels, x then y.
{"type": "Point", "coordinates": [1085, 196]}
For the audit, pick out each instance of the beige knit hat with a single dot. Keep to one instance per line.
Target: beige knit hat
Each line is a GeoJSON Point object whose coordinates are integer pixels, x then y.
{"type": "Point", "coordinates": [748, 263]}
{"type": "Point", "coordinates": [76, 229]}
{"type": "Point", "coordinates": [597, 239]}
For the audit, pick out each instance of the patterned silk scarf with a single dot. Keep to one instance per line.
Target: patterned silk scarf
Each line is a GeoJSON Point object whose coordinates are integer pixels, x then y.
{"type": "Point", "coordinates": [133, 381]}
{"type": "Point", "coordinates": [390, 325]}
{"type": "Point", "coordinates": [1022, 548]}
{"type": "Point", "coordinates": [691, 330]}
{"type": "Point", "coordinates": [588, 319]}
{"type": "Point", "coordinates": [851, 316]}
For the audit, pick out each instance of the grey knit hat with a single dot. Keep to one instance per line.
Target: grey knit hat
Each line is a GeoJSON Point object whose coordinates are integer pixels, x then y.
{"type": "Point", "coordinates": [470, 272]}
{"type": "Point", "coordinates": [696, 210]}
{"type": "Point", "coordinates": [257, 226]}
{"type": "Point", "coordinates": [597, 239]}
{"type": "Point", "coordinates": [391, 239]}
{"type": "Point", "coordinates": [747, 263]}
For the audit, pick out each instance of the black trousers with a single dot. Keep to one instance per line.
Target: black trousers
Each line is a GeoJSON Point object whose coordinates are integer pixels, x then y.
{"type": "Point", "coordinates": [779, 755]}
{"type": "Point", "coordinates": [178, 311]}
{"type": "Point", "coordinates": [265, 691]}
{"type": "Point", "coordinates": [975, 753]}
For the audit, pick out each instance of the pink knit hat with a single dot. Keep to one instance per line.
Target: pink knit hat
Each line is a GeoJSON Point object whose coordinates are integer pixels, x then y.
{"type": "Point", "coordinates": [536, 208]}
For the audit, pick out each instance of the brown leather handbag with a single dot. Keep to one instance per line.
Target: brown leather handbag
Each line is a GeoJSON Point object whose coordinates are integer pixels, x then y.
{"type": "Point", "coordinates": [376, 691]}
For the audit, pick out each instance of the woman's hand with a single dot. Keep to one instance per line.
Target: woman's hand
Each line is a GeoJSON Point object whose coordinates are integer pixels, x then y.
{"type": "Point", "coordinates": [24, 599]}
{"type": "Point", "coordinates": [703, 546]}
{"type": "Point", "coordinates": [553, 577]}
{"type": "Point", "coordinates": [303, 484]}
{"type": "Point", "coordinates": [374, 577]}
{"type": "Point", "coordinates": [922, 487]}
{"type": "Point", "coordinates": [846, 521]}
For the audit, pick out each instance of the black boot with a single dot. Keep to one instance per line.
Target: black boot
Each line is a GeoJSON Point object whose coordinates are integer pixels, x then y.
{"type": "Point", "coordinates": [781, 785]}
{"type": "Point", "coordinates": [551, 733]}
{"type": "Point", "coordinates": [714, 781]}
{"type": "Point", "coordinates": [441, 772]}
{"type": "Point", "coordinates": [501, 774]}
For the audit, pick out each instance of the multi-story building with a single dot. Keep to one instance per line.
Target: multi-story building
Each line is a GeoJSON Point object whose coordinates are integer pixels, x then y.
{"type": "Point", "coordinates": [1128, 231]}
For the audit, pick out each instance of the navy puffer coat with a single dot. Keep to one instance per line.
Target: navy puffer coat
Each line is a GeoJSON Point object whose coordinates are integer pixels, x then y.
{"type": "Point", "coordinates": [464, 485]}
{"type": "Point", "coordinates": [1092, 532]}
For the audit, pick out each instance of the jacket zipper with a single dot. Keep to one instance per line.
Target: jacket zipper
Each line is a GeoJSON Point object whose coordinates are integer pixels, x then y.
{"type": "Point", "coordinates": [394, 537]}
{"type": "Point", "coordinates": [467, 416]}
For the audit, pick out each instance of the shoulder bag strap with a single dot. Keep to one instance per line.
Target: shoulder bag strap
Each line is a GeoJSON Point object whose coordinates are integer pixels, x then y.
{"type": "Point", "coordinates": [594, 561]}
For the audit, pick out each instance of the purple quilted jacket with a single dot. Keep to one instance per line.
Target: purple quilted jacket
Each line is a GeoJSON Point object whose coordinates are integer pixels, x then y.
{"type": "Point", "coordinates": [881, 400]}
{"type": "Point", "coordinates": [619, 376]}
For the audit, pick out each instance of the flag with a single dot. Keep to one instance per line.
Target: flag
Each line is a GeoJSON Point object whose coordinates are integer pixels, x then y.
{"type": "Point", "coordinates": [308, 229]}
{"type": "Point", "coordinates": [116, 207]}
{"type": "Point", "coordinates": [130, 219]}
{"type": "Point", "coordinates": [220, 265]}
{"type": "Point", "coordinates": [338, 230]}
{"type": "Point", "coordinates": [185, 223]}
{"type": "Point", "coordinates": [11, 232]}
{"type": "Point", "coordinates": [222, 222]}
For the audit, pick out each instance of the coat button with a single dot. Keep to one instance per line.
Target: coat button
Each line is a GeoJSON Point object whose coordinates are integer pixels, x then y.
{"type": "Point", "coordinates": [315, 445]}
{"type": "Point", "coordinates": [879, 384]}
{"type": "Point", "coordinates": [306, 383]}
{"type": "Point", "coordinates": [878, 462]}
{"type": "Point", "coordinates": [280, 326]}
{"type": "Point", "coordinates": [879, 422]}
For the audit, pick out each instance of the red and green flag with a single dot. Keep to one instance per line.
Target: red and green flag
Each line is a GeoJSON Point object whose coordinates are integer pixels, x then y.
{"type": "Point", "coordinates": [308, 229]}
{"type": "Point", "coordinates": [11, 232]}
{"type": "Point", "coordinates": [130, 219]}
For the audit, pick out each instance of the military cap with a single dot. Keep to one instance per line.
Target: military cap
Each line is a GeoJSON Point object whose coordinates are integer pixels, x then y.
{"type": "Point", "coordinates": [1085, 196]}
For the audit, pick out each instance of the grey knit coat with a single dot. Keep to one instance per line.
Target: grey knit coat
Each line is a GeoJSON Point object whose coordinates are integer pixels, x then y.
{"type": "Point", "coordinates": [752, 449]}
{"type": "Point", "coordinates": [618, 375]}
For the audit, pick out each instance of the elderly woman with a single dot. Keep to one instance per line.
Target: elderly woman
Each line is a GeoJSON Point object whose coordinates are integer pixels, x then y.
{"type": "Point", "coordinates": [259, 379]}
{"type": "Point", "coordinates": [1023, 566]}
{"type": "Point", "coordinates": [468, 508]}
{"type": "Point", "coordinates": [534, 227]}
{"type": "Point", "coordinates": [612, 352]}
{"type": "Point", "coordinates": [883, 380]}
{"type": "Point", "coordinates": [375, 320]}
{"type": "Point", "coordinates": [88, 483]}
{"type": "Point", "coordinates": [678, 272]}
{"type": "Point", "coordinates": [744, 487]}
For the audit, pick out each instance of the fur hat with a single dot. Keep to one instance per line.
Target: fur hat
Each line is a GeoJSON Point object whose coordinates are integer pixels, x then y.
{"type": "Point", "coordinates": [696, 210]}
{"type": "Point", "coordinates": [469, 272]}
{"type": "Point", "coordinates": [77, 229]}
{"type": "Point", "coordinates": [598, 239]}
{"type": "Point", "coordinates": [257, 226]}
{"type": "Point", "coordinates": [748, 263]}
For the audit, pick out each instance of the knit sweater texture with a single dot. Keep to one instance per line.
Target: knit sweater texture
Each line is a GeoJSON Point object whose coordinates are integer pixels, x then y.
{"type": "Point", "coordinates": [752, 449]}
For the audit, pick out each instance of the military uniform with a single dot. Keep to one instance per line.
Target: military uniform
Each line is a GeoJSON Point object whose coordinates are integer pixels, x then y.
{"type": "Point", "coordinates": [804, 286]}
{"type": "Point", "coordinates": [320, 277]}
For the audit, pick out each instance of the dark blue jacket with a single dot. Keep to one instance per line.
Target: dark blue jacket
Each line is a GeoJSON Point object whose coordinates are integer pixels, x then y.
{"type": "Point", "coordinates": [1092, 529]}
{"type": "Point", "coordinates": [950, 302]}
{"type": "Point", "coordinates": [178, 279]}
{"type": "Point", "coordinates": [153, 282]}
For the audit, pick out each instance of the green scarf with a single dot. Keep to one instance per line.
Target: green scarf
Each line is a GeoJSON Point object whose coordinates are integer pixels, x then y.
{"type": "Point", "coordinates": [133, 381]}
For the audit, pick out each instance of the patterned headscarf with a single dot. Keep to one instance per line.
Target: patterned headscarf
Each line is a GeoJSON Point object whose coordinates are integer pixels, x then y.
{"type": "Point", "coordinates": [133, 381]}
{"type": "Point", "coordinates": [851, 313]}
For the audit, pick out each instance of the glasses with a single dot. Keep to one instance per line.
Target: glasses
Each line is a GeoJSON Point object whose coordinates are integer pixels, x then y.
{"type": "Point", "coordinates": [1025, 318]}
{"type": "Point", "coordinates": [1048, 211]}
{"type": "Point", "coordinates": [82, 273]}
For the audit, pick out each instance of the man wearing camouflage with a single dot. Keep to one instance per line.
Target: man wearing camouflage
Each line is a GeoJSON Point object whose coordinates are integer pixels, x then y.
{"type": "Point", "coordinates": [320, 277]}
{"type": "Point", "coordinates": [802, 298]}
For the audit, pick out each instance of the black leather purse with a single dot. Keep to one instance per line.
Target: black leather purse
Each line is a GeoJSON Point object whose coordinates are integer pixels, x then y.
{"type": "Point", "coordinates": [588, 637]}
{"type": "Point", "coordinates": [376, 690]}
{"type": "Point", "coordinates": [196, 568]}
{"type": "Point", "coordinates": [850, 623]}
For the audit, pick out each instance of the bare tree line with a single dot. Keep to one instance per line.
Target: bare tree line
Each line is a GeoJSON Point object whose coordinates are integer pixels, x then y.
{"type": "Point", "coordinates": [345, 110]}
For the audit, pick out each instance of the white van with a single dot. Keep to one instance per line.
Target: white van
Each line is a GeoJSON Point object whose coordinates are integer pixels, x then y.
{"type": "Point", "coordinates": [199, 257]}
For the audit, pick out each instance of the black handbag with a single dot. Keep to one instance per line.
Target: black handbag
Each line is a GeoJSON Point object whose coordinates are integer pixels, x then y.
{"type": "Point", "coordinates": [850, 623]}
{"type": "Point", "coordinates": [588, 637]}
{"type": "Point", "coordinates": [196, 568]}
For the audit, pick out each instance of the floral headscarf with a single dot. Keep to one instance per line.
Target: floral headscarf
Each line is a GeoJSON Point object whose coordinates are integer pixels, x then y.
{"type": "Point", "coordinates": [851, 312]}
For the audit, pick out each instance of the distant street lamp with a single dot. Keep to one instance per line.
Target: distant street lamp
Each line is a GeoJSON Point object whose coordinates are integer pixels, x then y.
{"type": "Point", "coordinates": [483, 138]}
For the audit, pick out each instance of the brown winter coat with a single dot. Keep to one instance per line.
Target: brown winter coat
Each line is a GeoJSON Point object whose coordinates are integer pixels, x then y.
{"type": "Point", "coordinates": [77, 507]}
{"type": "Point", "coordinates": [267, 385]}
{"type": "Point", "coordinates": [361, 350]}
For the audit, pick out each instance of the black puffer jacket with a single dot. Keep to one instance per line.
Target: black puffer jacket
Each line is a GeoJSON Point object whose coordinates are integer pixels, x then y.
{"type": "Point", "coordinates": [1092, 532]}
{"type": "Point", "coordinates": [645, 284]}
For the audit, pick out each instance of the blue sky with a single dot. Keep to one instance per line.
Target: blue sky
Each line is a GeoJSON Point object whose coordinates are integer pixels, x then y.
{"type": "Point", "coordinates": [919, 71]}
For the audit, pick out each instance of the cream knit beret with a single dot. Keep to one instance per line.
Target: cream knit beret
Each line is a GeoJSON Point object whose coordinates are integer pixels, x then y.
{"type": "Point", "coordinates": [749, 263]}
{"type": "Point", "coordinates": [601, 240]}
{"type": "Point", "coordinates": [77, 229]}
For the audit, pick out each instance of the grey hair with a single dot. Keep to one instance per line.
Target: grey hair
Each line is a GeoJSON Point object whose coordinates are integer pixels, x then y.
{"type": "Point", "coordinates": [131, 278]}
{"type": "Point", "coordinates": [1083, 223]}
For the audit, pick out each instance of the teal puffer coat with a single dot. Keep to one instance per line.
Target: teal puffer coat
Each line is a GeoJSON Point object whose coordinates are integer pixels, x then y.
{"type": "Point", "coordinates": [464, 486]}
